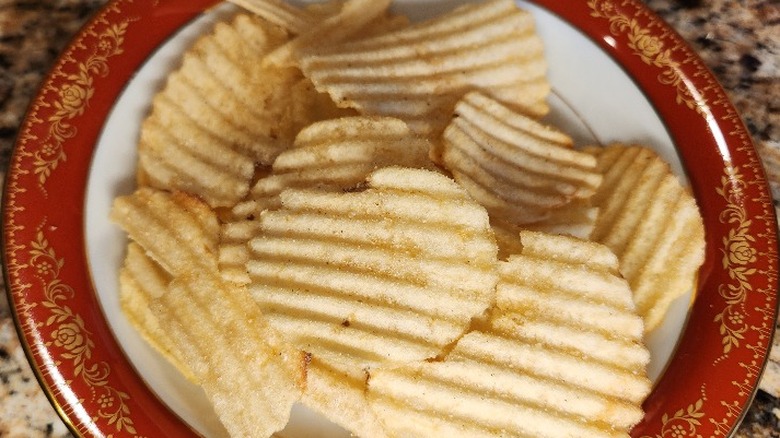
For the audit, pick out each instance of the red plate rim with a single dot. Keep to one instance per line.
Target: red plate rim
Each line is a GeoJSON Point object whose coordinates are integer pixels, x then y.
{"type": "Point", "coordinates": [94, 387]}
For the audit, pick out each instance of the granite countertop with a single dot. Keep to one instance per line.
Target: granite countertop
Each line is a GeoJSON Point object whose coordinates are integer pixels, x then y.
{"type": "Point", "coordinates": [738, 40]}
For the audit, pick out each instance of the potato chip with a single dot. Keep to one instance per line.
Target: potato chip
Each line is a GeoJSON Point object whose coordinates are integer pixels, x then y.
{"type": "Point", "coordinates": [220, 114]}
{"type": "Point", "coordinates": [250, 376]}
{"type": "Point", "coordinates": [280, 13]}
{"type": "Point", "coordinates": [653, 225]}
{"type": "Point", "coordinates": [351, 19]}
{"type": "Point", "coordinates": [517, 168]}
{"type": "Point", "coordinates": [376, 274]}
{"type": "Point", "coordinates": [337, 154]}
{"type": "Point", "coordinates": [176, 230]}
{"type": "Point", "coordinates": [337, 389]}
{"type": "Point", "coordinates": [419, 72]}
{"type": "Point", "coordinates": [140, 281]}
{"type": "Point", "coordinates": [560, 356]}
{"type": "Point", "coordinates": [340, 153]}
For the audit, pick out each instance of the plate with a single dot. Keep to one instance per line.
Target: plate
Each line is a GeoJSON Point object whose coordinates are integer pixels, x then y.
{"type": "Point", "coordinates": [618, 73]}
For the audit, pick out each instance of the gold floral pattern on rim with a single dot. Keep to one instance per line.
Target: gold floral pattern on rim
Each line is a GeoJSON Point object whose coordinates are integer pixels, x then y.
{"type": "Point", "coordinates": [651, 48]}
{"type": "Point", "coordinates": [684, 422]}
{"type": "Point", "coordinates": [68, 333]}
{"type": "Point", "coordinates": [65, 338]}
{"type": "Point", "coordinates": [73, 95]}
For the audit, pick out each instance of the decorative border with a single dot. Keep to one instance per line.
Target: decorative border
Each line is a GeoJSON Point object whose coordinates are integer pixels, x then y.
{"type": "Point", "coordinates": [70, 337]}
{"type": "Point", "coordinates": [74, 92]}
{"type": "Point", "coordinates": [748, 256]}
{"type": "Point", "coordinates": [50, 124]}
{"type": "Point", "coordinates": [651, 49]}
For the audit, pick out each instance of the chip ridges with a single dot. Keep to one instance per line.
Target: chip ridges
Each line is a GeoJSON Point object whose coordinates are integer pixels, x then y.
{"type": "Point", "coordinates": [177, 230]}
{"type": "Point", "coordinates": [233, 353]}
{"type": "Point", "coordinates": [652, 223]}
{"type": "Point", "coordinates": [534, 368]}
{"type": "Point", "coordinates": [520, 170]}
{"type": "Point", "coordinates": [340, 153]}
{"type": "Point", "coordinates": [219, 115]}
{"type": "Point", "coordinates": [361, 273]}
{"type": "Point", "coordinates": [418, 73]}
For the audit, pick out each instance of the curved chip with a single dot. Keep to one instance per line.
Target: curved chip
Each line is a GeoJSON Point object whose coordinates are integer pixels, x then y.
{"type": "Point", "coordinates": [519, 169]}
{"type": "Point", "coordinates": [351, 19]}
{"type": "Point", "coordinates": [336, 388]}
{"type": "Point", "coordinates": [141, 280]}
{"type": "Point", "coordinates": [280, 13]}
{"type": "Point", "coordinates": [220, 114]}
{"type": "Point", "coordinates": [177, 230]}
{"type": "Point", "coordinates": [653, 225]}
{"type": "Point", "coordinates": [419, 72]}
{"type": "Point", "coordinates": [340, 153]}
{"type": "Point", "coordinates": [336, 154]}
{"type": "Point", "coordinates": [560, 356]}
{"type": "Point", "coordinates": [249, 374]}
{"type": "Point", "coordinates": [375, 274]}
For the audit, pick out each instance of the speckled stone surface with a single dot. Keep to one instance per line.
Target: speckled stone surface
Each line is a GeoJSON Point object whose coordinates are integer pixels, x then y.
{"type": "Point", "coordinates": [738, 39]}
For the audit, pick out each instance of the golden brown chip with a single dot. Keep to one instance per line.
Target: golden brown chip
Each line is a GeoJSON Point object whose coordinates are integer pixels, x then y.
{"type": "Point", "coordinates": [653, 225]}
{"type": "Point", "coordinates": [250, 376]}
{"type": "Point", "coordinates": [339, 154]}
{"type": "Point", "coordinates": [140, 281]}
{"type": "Point", "coordinates": [176, 230]}
{"type": "Point", "coordinates": [221, 114]}
{"type": "Point", "coordinates": [560, 356]}
{"type": "Point", "coordinates": [520, 170]}
{"type": "Point", "coordinates": [353, 17]}
{"type": "Point", "coordinates": [393, 272]}
{"type": "Point", "coordinates": [419, 72]}
{"type": "Point", "coordinates": [280, 13]}
{"type": "Point", "coordinates": [337, 389]}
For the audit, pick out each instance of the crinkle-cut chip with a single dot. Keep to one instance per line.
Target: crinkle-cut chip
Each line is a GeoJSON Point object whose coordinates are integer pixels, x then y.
{"type": "Point", "coordinates": [653, 225]}
{"type": "Point", "coordinates": [281, 13]}
{"type": "Point", "coordinates": [393, 272]}
{"type": "Point", "coordinates": [339, 154]}
{"type": "Point", "coordinates": [353, 17]}
{"type": "Point", "coordinates": [336, 388]}
{"type": "Point", "coordinates": [505, 162]}
{"type": "Point", "coordinates": [220, 114]}
{"type": "Point", "coordinates": [542, 365]}
{"type": "Point", "coordinates": [177, 230]}
{"type": "Point", "coordinates": [250, 376]}
{"type": "Point", "coordinates": [419, 72]}
{"type": "Point", "coordinates": [140, 281]}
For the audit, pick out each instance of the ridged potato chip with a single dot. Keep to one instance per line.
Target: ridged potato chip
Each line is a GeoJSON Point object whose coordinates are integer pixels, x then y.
{"type": "Point", "coordinates": [340, 153]}
{"type": "Point", "coordinates": [249, 374]}
{"type": "Point", "coordinates": [141, 280]}
{"type": "Point", "coordinates": [177, 230]}
{"type": "Point", "coordinates": [220, 114]}
{"type": "Point", "coordinates": [419, 72]}
{"type": "Point", "coordinates": [519, 169]}
{"type": "Point", "coordinates": [337, 389]}
{"type": "Point", "coordinates": [561, 355]}
{"type": "Point", "coordinates": [653, 225]}
{"type": "Point", "coordinates": [209, 329]}
{"type": "Point", "coordinates": [336, 154]}
{"type": "Point", "coordinates": [281, 13]}
{"type": "Point", "coordinates": [377, 274]}
{"type": "Point", "coordinates": [353, 17]}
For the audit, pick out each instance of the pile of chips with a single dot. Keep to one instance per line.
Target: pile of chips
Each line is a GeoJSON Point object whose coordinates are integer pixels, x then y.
{"type": "Point", "coordinates": [341, 208]}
